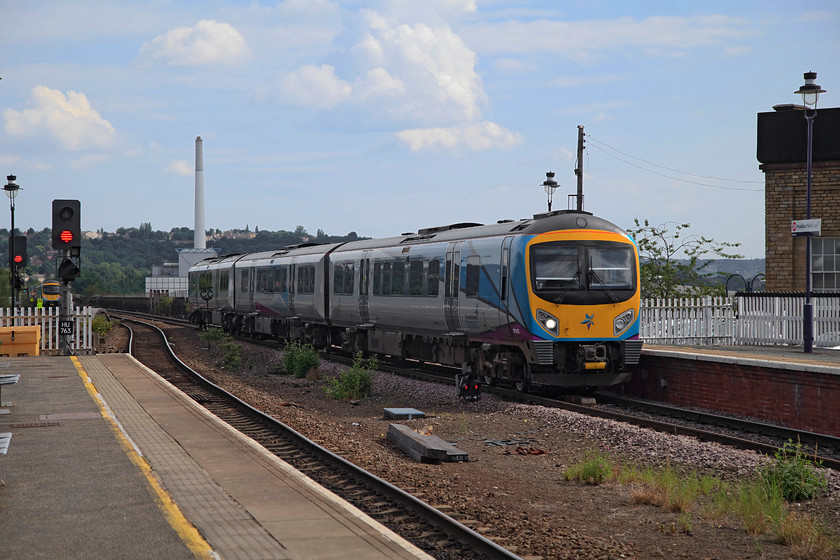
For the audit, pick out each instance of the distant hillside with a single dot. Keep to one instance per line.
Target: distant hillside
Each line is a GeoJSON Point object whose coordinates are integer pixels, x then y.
{"type": "Point", "coordinates": [119, 262]}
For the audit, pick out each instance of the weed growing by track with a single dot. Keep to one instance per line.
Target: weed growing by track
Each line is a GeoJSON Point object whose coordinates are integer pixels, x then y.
{"type": "Point", "coordinates": [762, 504]}
{"type": "Point", "coordinates": [355, 383]}
{"type": "Point", "coordinates": [231, 350]}
{"type": "Point", "coordinates": [299, 358]}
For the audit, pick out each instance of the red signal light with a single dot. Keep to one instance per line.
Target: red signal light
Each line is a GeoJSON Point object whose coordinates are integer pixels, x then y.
{"type": "Point", "coordinates": [18, 259]}
{"type": "Point", "coordinates": [66, 236]}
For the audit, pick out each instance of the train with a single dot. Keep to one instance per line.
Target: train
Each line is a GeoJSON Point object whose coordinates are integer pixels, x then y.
{"type": "Point", "coordinates": [50, 293]}
{"type": "Point", "coordinates": [551, 300]}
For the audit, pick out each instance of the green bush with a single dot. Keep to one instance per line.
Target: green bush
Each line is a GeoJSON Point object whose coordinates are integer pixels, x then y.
{"type": "Point", "coordinates": [793, 474]}
{"type": "Point", "coordinates": [102, 325]}
{"type": "Point", "coordinates": [299, 358]}
{"type": "Point", "coordinates": [231, 350]}
{"type": "Point", "coordinates": [355, 383]}
{"type": "Point", "coordinates": [232, 357]}
{"type": "Point", "coordinates": [213, 335]}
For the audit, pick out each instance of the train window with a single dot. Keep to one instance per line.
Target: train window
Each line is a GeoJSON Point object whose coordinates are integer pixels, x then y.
{"type": "Point", "coordinates": [415, 278]}
{"type": "Point", "coordinates": [306, 279]}
{"type": "Point", "coordinates": [377, 278]}
{"type": "Point", "coordinates": [343, 279]}
{"type": "Point", "coordinates": [433, 284]}
{"type": "Point", "coordinates": [281, 274]}
{"type": "Point", "coordinates": [280, 279]}
{"type": "Point", "coordinates": [473, 275]}
{"type": "Point", "coordinates": [205, 281]}
{"type": "Point", "coordinates": [386, 278]}
{"type": "Point", "coordinates": [224, 279]}
{"type": "Point", "coordinates": [556, 266]}
{"type": "Point", "coordinates": [398, 278]}
{"type": "Point", "coordinates": [338, 279]}
{"type": "Point", "coordinates": [611, 268]}
{"type": "Point", "coordinates": [243, 281]}
{"type": "Point", "coordinates": [349, 278]}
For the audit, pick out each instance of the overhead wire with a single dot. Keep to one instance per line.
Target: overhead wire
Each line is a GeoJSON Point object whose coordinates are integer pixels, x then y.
{"type": "Point", "coordinates": [597, 144]}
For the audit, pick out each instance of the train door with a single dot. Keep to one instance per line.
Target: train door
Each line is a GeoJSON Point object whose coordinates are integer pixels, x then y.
{"type": "Point", "coordinates": [504, 282]}
{"type": "Point", "coordinates": [364, 276]}
{"type": "Point", "coordinates": [292, 290]}
{"type": "Point", "coordinates": [452, 286]}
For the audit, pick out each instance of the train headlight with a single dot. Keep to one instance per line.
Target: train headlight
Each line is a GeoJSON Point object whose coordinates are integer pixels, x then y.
{"type": "Point", "coordinates": [548, 321]}
{"type": "Point", "coordinates": [623, 321]}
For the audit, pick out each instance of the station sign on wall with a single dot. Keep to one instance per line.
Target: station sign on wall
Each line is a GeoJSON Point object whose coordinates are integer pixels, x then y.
{"type": "Point", "coordinates": [805, 228]}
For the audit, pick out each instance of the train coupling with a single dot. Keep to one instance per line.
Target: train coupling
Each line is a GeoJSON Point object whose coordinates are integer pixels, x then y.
{"type": "Point", "coordinates": [593, 356]}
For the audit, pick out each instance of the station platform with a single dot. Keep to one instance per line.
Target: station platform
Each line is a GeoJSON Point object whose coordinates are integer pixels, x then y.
{"type": "Point", "coordinates": [108, 460]}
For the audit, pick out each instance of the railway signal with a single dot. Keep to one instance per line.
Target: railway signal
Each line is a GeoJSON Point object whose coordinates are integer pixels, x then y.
{"type": "Point", "coordinates": [17, 252]}
{"type": "Point", "coordinates": [469, 388]}
{"type": "Point", "coordinates": [67, 226]}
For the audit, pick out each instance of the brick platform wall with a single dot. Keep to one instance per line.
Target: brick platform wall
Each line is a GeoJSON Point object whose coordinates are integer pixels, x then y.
{"type": "Point", "coordinates": [796, 398]}
{"type": "Point", "coordinates": [784, 201]}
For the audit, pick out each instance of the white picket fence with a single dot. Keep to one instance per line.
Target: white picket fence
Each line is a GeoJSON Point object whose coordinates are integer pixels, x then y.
{"type": "Point", "coordinates": [764, 319]}
{"type": "Point", "coordinates": [81, 339]}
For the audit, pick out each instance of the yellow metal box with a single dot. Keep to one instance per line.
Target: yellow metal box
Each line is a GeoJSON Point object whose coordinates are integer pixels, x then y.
{"type": "Point", "coordinates": [20, 341]}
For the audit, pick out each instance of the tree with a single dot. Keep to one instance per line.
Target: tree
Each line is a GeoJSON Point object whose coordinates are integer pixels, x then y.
{"type": "Point", "coordinates": [664, 273]}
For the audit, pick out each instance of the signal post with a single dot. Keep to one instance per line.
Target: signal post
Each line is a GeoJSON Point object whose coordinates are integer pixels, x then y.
{"type": "Point", "coordinates": [67, 238]}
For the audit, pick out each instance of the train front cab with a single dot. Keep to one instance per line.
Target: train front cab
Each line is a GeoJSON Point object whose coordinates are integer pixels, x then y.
{"type": "Point", "coordinates": [583, 299]}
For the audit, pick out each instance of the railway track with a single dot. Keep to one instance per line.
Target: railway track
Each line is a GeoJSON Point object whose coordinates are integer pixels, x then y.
{"type": "Point", "coordinates": [416, 521]}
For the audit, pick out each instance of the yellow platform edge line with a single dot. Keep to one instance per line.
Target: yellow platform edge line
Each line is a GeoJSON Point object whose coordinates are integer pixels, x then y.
{"type": "Point", "coordinates": [185, 530]}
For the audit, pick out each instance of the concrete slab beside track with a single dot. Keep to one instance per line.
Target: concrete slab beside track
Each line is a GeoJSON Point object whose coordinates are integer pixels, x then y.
{"type": "Point", "coordinates": [108, 460]}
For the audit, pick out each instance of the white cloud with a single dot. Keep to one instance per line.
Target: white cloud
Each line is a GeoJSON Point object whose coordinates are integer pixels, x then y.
{"type": "Point", "coordinates": [476, 137]}
{"type": "Point", "coordinates": [68, 120]}
{"type": "Point", "coordinates": [208, 42]}
{"type": "Point", "coordinates": [181, 167]}
{"type": "Point", "coordinates": [418, 73]}
{"type": "Point", "coordinates": [317, 87]}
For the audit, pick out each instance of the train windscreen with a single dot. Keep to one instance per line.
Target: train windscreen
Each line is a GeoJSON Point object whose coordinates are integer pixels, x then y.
{"type": "Point", "coordinates": [583, 272]}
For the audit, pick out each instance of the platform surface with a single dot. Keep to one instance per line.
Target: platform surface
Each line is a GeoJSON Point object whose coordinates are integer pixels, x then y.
{"type": "Point", "coordinates": [108, 460]}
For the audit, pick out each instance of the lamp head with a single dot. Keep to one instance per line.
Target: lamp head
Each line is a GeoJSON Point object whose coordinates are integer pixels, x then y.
{"type": "Point", "coordinates": [549, 185]}
{"type": "Point", "coordinates": [810, 91]}
{"type": "Point", "coordinates": [11, 187]}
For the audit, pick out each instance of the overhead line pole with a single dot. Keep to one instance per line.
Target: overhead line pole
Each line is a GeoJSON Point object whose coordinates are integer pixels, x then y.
{"type": "Point", "coordinates": [579, 169]}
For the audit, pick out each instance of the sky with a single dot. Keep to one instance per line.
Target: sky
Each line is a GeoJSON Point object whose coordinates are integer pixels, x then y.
{"type": "Point", "coordinates": [384, 117]}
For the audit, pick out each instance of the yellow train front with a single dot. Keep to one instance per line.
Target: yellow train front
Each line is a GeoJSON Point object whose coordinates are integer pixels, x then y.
{"type": "Point", "coordinates": [51, 293]}
{"type": "Point", "coordinates": [574, 310]}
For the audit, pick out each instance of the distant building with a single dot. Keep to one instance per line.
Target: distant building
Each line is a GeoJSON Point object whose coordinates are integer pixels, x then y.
{"type": "Point", "coordinates": [170, 279]}
{"type": "Point", "coordinates": [782, 149]}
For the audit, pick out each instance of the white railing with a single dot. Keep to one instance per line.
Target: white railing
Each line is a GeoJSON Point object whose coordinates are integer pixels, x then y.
{"type": "Point", "coordinates": [760, 319]}
{"type": "Point", "coordinates": [701, 320]}
{"type": "Point", "coordinates": [81, 339]}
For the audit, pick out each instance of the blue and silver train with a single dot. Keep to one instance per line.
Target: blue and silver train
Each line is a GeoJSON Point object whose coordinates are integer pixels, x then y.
{"type": "Point", "coordinates": [552, 300]}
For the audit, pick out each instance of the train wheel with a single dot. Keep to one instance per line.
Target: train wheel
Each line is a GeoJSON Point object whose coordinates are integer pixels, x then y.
{"type": "Point", "coordinates": [523, 384]}
{"type": "Point", "coordinates": [490, 380]}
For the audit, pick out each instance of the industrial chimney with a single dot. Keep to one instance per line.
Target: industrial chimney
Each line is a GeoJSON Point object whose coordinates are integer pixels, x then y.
{"type": "Point", "coordinates": [199, 236]}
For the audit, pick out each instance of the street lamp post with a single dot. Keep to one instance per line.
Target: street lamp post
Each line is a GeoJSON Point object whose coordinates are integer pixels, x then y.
{"type": "Point", "coordinates": [12, 189]}
{"type": "Point", "coordinates": [550, 185]}
{"type": "Point", "coordinates": [810, 92]}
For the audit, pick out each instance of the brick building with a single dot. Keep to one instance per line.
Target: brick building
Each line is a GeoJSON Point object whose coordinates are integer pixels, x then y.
{"type": "Point", "coordinates": [782, 149]}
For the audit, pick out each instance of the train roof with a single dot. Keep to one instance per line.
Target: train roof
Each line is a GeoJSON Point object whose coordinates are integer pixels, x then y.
{"type": "Point", "coordinates": [540, 223]}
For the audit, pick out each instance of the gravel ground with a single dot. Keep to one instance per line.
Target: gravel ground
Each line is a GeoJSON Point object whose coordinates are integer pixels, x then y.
{"type": "Point", "coordinates": [512, 488]}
